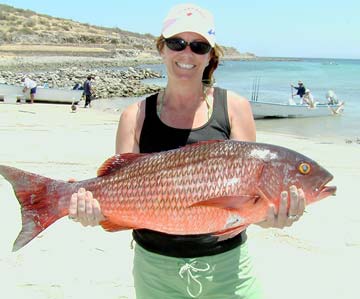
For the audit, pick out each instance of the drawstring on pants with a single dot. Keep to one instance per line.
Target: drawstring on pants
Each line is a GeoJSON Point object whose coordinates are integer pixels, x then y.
{"type": "Point", "coordinates": [132, 244]}
{"type": "Point", "coordinates": [190, 269]}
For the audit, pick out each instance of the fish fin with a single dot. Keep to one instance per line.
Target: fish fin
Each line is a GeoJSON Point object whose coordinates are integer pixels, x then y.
{"type": "Point", "coordinates": [230, 232]}
{"type": "Point", "coordinates": [259, 190]}
{"type": "Point", "coordinates": [263, 195]}
{"type": "Point", "coordinates": [38, 198]}
{"type": "Point", "coordinates": [116, 162]}
{"type": "Point", "coordinates": [228, 202]}
{"type": "Point", "coordinates": [111, 226]}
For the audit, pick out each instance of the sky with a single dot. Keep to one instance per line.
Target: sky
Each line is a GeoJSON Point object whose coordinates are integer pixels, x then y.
{"type": "Point", "coordinates": [272, 28]}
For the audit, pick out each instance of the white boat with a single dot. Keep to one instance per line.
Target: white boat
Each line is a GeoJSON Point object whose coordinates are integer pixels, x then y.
{"type": "Point", "coordinates": [13, 94]}
{"type": "Point", "coordinates": [277, 110]}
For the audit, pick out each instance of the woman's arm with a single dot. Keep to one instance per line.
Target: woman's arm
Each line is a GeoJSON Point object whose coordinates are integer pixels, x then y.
{"type": "Point", "coordinates": [129, 128]}
{"type": "Point", "coordinates": [83, 207]}
{"type": "Point", "coordinates": [241, 119]}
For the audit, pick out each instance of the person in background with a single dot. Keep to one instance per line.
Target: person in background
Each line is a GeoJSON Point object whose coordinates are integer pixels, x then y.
{"type": "Point", "coordinates": [308, 99]}
{"type": "Point", "coordinates": [300, 89]}
{"type": "Point", "coordinates": [88, 91]}
{"type": "Point", "coordinates": [29, 84]}
{"type": "Point", "coordinates": [78, 86]}
{"type": "Point", "coordinates": [331, 97]}
{"type": "Point", "coordinates": [188, 110]}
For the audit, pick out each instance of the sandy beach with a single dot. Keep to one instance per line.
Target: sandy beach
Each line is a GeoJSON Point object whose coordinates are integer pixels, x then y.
{"type": "Point", "coordinates": [317, 257]}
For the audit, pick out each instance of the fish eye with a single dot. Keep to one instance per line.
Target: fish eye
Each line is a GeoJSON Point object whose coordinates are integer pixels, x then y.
{"type": "Point", "coordinates": [304, 168]}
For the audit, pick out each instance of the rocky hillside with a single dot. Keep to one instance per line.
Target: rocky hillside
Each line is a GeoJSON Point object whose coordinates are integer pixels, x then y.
{"type": "Point", "coordinates": [19, 27]}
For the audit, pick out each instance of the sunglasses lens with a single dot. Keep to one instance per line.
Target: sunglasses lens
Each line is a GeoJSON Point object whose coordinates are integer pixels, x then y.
{"type": "Point", "coordinates": [178, 44]}
{"type": "Point", "coordinates": [175, 44]}
{"type": "Point", "coordinates": [200, 47]}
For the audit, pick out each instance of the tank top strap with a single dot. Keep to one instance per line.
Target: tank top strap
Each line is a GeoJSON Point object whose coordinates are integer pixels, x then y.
{"type": "Point", "coordinates": [150, 105]}
{"type": "Point", "coordinates": [220, 109]}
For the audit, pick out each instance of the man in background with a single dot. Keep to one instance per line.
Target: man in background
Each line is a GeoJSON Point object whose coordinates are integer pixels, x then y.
{"type": "Point", "coordinates": [300, 89]}
{"type": "Point", "coordinates": [88, 91]}
{"type": "Point", "coordinates": [29, 84]}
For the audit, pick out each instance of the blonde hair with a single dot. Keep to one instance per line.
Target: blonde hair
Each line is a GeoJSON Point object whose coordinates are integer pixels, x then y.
{"type": "Point", "coordinates": [215, 53]}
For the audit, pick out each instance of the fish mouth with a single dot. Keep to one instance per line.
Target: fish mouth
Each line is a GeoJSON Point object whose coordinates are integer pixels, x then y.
{"type": "Point", "coordinates": [325, 191]}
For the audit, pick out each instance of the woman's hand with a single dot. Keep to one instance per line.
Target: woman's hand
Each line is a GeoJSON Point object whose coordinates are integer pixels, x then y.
{"type": "Point", "coordinates": [286, 215]}
{"type": "Point", "coordinates": [85, 209]}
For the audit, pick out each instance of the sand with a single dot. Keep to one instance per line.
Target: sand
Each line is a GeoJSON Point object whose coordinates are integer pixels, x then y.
{"type": "Point", "coordinates": [318, 257]}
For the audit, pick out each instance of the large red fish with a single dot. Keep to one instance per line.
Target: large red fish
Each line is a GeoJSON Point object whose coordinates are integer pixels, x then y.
{"type": "Point", "coordinates": [217, 187]}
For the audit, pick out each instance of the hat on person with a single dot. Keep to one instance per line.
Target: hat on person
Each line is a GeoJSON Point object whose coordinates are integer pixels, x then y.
{"type": "Point", "coordinates": [307, 90]}
{"type": "Point", "coordinates": [192, 18]}
{"type": "Point", "coordinates": [300, 82]}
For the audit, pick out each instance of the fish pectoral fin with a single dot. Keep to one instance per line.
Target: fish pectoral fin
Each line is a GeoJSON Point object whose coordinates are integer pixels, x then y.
{"type": "Point", "coordinates": [111, 226]}
{"type": "Point", "coordinates": [116, 162]}
{"type": "Point", "coordinates": [262, 194]}
{"type": "Point", "coordinates": [228, 202]}
{"type": "Point", "coordinates": [230, 232]}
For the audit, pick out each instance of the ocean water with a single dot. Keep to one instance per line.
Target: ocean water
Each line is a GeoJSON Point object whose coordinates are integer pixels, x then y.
{"type": "Point", "coordinates": [274, 78]}
{"type": "Point", "coordinates": [319, 75]}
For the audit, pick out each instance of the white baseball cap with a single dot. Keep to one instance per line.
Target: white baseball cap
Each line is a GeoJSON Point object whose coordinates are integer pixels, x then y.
{"type": "Point", "coordinates": [189, 18]}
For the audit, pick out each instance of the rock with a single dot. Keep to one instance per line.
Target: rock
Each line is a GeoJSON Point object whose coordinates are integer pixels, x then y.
{"type": "Point", "coordinates": [107, 83]}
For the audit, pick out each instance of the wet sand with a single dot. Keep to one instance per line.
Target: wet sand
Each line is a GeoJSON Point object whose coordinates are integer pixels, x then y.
{"type": "Point", "coordinates": [315, 258]}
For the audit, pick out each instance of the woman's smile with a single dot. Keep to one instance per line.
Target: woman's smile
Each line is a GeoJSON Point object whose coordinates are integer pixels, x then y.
{"type": "Point", "coordinates": [185, 66]}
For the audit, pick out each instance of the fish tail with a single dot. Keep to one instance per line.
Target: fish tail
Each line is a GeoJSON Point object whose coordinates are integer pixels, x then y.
{"type": "Point", "coordinates": [39, 198]}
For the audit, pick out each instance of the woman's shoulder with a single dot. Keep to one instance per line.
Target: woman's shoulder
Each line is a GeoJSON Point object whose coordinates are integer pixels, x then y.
{"type": "Point", "coordinates": [134, 109]}
{"type": "Point", "coordinates": [134, 114]}
{"type": "Point", "coordinates": [129, 127]}
{"type": "Point", "coordinates": [139, 107]}
{"type": "Point", "coordinates": [237, 101]}
{"type": "Point", "coordinates": [241, 117]}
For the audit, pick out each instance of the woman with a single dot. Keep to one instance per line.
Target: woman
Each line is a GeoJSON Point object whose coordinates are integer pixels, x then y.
{"type": "Point", "coordinates": [188, 110]}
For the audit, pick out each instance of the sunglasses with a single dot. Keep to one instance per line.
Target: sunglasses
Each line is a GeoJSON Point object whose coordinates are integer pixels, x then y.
{"type": "Point", "coordinates": [178, 44]}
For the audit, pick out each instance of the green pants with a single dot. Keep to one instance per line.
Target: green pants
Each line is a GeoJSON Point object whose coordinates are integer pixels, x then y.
{"type": "Point", "coordinates": [222, 276]}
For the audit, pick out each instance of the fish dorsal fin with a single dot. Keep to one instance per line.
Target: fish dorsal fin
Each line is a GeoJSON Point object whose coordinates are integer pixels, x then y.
{"type": "Point", "coordinates": [228, 202]}
{"type": "Point", "coordinates": [116, 162]}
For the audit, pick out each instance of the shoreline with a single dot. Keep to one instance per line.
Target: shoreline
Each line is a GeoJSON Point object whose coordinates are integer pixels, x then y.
{"type": "Point", "coordinates": [52, 141]}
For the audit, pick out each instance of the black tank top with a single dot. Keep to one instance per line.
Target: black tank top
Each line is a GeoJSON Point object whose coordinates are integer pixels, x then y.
{"type": "Point", "coordinates": [155, 137]}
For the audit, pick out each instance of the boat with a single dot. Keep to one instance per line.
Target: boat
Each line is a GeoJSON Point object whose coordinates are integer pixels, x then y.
{"type": "Point", "coordinates": [291, 109]}
{"type": "Point", "coordinates": [262, 109]}
{"type": "Point", "coordinates": [14, 93]}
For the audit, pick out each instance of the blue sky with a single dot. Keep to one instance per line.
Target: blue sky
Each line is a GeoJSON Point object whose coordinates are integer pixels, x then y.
{"type": "Point", "coordinates": [307, 28]}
